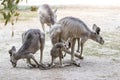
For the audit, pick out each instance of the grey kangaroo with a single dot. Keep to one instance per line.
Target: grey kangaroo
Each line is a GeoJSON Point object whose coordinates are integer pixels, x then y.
{"type": "Point", "coordinates": [56, 51]}
{"type": "Point", "coordinates": [33, 40]}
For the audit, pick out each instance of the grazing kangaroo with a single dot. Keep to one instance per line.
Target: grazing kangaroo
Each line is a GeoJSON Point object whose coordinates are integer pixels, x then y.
{"type": "Point", "coordinates": [73, 28]}
{"type": "Point", "coordinates": [47, 16]}
{"type": "Point", "coordinates": [33, 40]}
{"type": "Point", "coordinates": [56, 51]}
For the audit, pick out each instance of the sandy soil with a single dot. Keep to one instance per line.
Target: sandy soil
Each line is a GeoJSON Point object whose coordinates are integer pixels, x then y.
{"type": "Point", "coordinates": [99, 63]}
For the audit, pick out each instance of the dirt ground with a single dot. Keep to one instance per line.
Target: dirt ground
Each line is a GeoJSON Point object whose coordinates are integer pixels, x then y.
{"type": "Point", "coordinates": [101, 62]}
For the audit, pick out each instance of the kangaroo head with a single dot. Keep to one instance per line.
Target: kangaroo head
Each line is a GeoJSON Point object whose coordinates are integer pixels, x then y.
{"type": "Point", "coordinates": [12, 53]}
{"type": "Point", "coordinates": [97, 38]}
{"type": "Point", "coordinates": [96, 35]}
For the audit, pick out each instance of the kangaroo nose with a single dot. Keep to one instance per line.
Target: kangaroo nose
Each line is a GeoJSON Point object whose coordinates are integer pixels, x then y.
{"type": "Point", "coordinates": [102, 42]}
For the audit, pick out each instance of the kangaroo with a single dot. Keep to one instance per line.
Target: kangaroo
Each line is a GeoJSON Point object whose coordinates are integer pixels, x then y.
{"type": "Point", "coordinates": [73, 28]}
{"type": "Point", "coordinates": [47, 16]}
{"type": "Point", "coordinates": [33, 41]}
{"type": "Point", "coordinates": [82, 41]}
{"type": "Point", "coordinates": [56, 51]}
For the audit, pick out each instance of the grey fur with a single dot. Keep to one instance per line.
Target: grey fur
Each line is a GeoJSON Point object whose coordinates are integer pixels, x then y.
{"type": "Point", "coordinates": [33, 40]}
{"type": "Point", "coordinates": [73, 28]}
{"type": "Point", "coordinates": [56, 51]}
{"type": "Point", "coordinates": [47, 16]}
{"type": "Point", "coordinates": [81, 41]}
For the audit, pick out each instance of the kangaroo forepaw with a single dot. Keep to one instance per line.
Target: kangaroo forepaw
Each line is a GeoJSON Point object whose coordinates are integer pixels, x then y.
{"type": "Point", "coordinates": [51, 65]}
{"type": "Point", "coordinates": [61, 66]}
{"type": "Point", "coordinates": [80, 57]}
{"type": "Point", "coordinates": [43, 67]}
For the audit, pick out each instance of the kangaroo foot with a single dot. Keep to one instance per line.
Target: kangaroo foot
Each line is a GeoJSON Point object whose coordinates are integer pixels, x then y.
{"type": "Point", "coordinates": [61, 66]}
{"type": "Point", "coordinates": [76, 63]}
{"type": "Point", "coordinates": [80, 57]}
{"type": "Point", "coordinates": [31, 65]}
{"type": "Point", "coordinates": [43, 67]}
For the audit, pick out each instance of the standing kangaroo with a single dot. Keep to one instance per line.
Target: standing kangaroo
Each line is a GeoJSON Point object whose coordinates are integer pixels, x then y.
{"type": "Point", "coordinates": [73, 28]}
{"type": "Point", "coordinates": [47, 16]}
{"type": "Point", "coordinates": [81, 41]}
{"type": "Point", "coordinates": [33, 40]}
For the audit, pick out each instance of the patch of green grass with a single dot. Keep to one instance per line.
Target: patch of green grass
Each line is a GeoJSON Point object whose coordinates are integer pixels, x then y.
{"type": "Point", "coordinates": [115, 60]}
{"type": "Point", "coordinates": [0, 49]}
{"type": "Point", "coordinates": [23, 8]}
{"type": "Point", "coordinates": [7, 44]}
{"type": "Point", "coordinates": [114, 41]}
{"type": "Point", "coordinates": [26, 15]}
{"type": "Point", "coordinates": [116, 55]}
{"type": "Point", "coordinates": [113, 74]}
{"type": "Point", "coordinates": [111, 48]}
{"type": "Point", "coordinates": [1, 18]}
{"type": "Point", "coordinates": [91, 52]}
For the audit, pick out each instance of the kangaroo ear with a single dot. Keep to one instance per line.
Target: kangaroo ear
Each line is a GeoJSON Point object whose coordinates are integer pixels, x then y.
{"type": "Point", "coordinates": [55, 10]}
{"type": "Point", "coordinates": [96, 29]}
{"type": "Point", "coordinates": [13, 48]}
{"type": "Point", "coordinates": [12, 51]}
